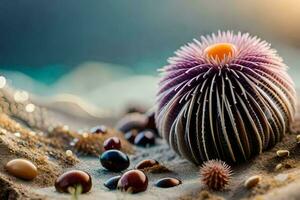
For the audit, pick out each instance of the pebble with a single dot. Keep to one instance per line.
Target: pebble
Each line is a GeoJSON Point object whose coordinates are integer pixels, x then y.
{"type": "Point", "coordinates": [17, 134]}
{"type": "Point", "coordinates": [167, 182]}
{"type": "Point", "coordinates": [65, 128]}
{"type": "Point", "coordinates": [130, 135]}
{"type": "Point", "coordinates": [151, 122]}
{"type": "Point", "coordinates": [252, 181]}
{"type": "Point", "coordinates": [298, 139]}
{"type": "Point", "coordinates": [112, 183]}
{"type": "Point", "coordinates": [73, 179]}
{"type": "Point", "coordinates": [112, 143]}
{"type": "Point", "coordinates": [114, 160]}
{"type": "Point", "coordinates": [22, 168]}
{"type": "Point", "coordinates": [99, 129]}
{"type": "Point", "coordinates": [145, 139]}
{"type": "Point", "coordinates": [283, 153]}
{"type": "Point", "coordinates": [278, 167]}
{"type": "Point", "coordinates": [146, 164]}
{"type": "Point", "coordinates": [69, 153]}
{"type": "Point", "coordinates": [133, 181]}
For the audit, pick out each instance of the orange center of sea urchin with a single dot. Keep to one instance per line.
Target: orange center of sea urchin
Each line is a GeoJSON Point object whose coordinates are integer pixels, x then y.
{"type": "Point", "coordinates": [220, 51]}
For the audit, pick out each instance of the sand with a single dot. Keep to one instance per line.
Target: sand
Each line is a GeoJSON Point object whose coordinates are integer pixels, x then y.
{"type": "Point", "coordinates": [279, 184]}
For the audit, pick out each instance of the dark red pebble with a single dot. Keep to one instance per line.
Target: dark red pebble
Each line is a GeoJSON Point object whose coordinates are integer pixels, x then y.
{"type": "Point", "coordinates": [99, 129]}
{"type": "Point", "coordinates": [145, 139]}
{"type": "Point", "coordinates": [112, 183]}
{"type": "Point", "coordinates": [167, 182]}
{"type": "Point", "coordinates": [114, 160]}
{"type": "Point", "coordinates": [133, 181]}
{"type": "Point", "coordinates": [146, 164]}
{"type": "Point", "coordinates": [130, 135]}
{"type": "Point", "coordinates": [73, 178]}
{"type": "Point", "coordinates": [112, 143]}
{"type": "Point", "coordinates": [151, 122]}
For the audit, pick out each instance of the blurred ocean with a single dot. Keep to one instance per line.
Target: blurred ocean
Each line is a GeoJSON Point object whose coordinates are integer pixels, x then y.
{"type": "Point", "coordinates": [107, 85]}
{"type": "Point", "coordinates": [108, 52]}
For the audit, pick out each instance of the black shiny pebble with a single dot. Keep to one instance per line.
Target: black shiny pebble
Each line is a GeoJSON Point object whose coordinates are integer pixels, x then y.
{"type": "Point", "coordinates": [145, 138]}
{"type": "Point", "coordinates": [130, 135]}
{"type": "Point", "coordinates": [112, 183]}
{"type": "Point", "coordinates": [167, 182]}
{"type": "Point", "coordinates": [114, 160]}
{"type": "Point", "coordinates": [98, 129]}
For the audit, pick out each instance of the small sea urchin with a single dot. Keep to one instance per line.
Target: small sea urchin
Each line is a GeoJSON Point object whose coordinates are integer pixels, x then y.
{"type": "Point", "coordinates": [215, 174]}
{"type": "Point", "coordinates": [226, 96]}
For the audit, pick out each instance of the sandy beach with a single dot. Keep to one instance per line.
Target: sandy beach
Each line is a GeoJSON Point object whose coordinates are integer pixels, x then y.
{"type": "Point", "coordinates": [276, 184]}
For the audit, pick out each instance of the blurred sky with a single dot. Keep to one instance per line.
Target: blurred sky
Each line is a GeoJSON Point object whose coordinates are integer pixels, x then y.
{"type": "Point", "coordinates": [49, 39]}
{"type": "Point", "coordinates": [129, 32]}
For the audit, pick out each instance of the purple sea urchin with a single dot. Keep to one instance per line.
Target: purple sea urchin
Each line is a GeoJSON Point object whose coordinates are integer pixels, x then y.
{"type": "Point", "coordinates": [226, 96]}
{"type": "Point", "coordinates": [215, 174]}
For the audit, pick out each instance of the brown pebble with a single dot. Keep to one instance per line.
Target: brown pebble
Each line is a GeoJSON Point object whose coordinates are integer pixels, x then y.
{"type": "Point", "coordinates": [298, 139]}
{"type": "Point", "coordinates": [167, 182]}
{"type": "Point", "coordinates": [133, 181]}
{"type": "Point", "coordinates": [252, 181]}
{"type": "Point", "coordinates": [73, 179]}
{"type": "Point", "coordinates": [112, 143]}
{"type": "Point", "coordinates": [22, 168]}
{"type": "Point", "coordinates": [283, 153]}
{"type": "Point", "coordinates": [278, 167]}
{"type": "Point", "coordinates": [146, 164]}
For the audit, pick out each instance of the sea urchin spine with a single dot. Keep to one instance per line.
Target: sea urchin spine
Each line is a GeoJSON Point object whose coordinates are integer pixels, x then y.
{"type": "Point", "coordinates": [225, 97]}
{"type": "Point", "coordinates": [215, 174]}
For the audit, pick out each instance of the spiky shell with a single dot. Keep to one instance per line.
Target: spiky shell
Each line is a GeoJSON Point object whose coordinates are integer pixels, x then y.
{"type": "Point", "coordinates": [231, 108]}
{"type": "Point", "coordinates": [215, 174]}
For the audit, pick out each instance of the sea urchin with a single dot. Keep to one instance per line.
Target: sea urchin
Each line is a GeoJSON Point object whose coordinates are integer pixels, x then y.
{"type": "Point", "coordinates": [227, 96]}
{"type": "Point", "coordinates": [215, 174]}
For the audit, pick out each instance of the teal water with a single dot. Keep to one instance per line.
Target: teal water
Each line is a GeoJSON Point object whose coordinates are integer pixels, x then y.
{"type": "Point", "coordinates": [47, 75]}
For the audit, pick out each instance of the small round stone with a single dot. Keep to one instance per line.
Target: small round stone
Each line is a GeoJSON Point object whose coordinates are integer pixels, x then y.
{"type": "Point", "coordinates": [252, 181]}
{"type": "Point", "coordinates": [112, 143]}
{"type": "Point", "coordinates": [17, 134]}
{"type": "Point", "coordinates": [65, 128]}
{"type": "Point", "coordinates": [145, 139]}
{"type": "Point", "coordinates": [133, 181]}
{"type": "Point", "coordinates": [114, 160]}
{"type": "Point", "coordinates": [32, 133]}
{"type": "Point", "coordinates": [30, 107]}
{"type": "Point", "coordinates": [112, 183]}
{"type": "Point", "coordinates": [73, 179]}
{"type": "Point", "coordinates": [131, 135]}
{"type": "Point", "coordinates": [167, 182]}
{"type": "Point", "coordinates": [298, 139]}
{"type": "Point", "coordinates": [22, 168]}
{"type": "Point", "coordinates": [147, 163]}
{"type": "Point", "coordinates": [69, 153]}
{"type": "Point", "coordinates": [278, 167]}
{"type": "Point", "coordinates": [283, 153]}
{"type": "Point", "coordinates": [99, 129]}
